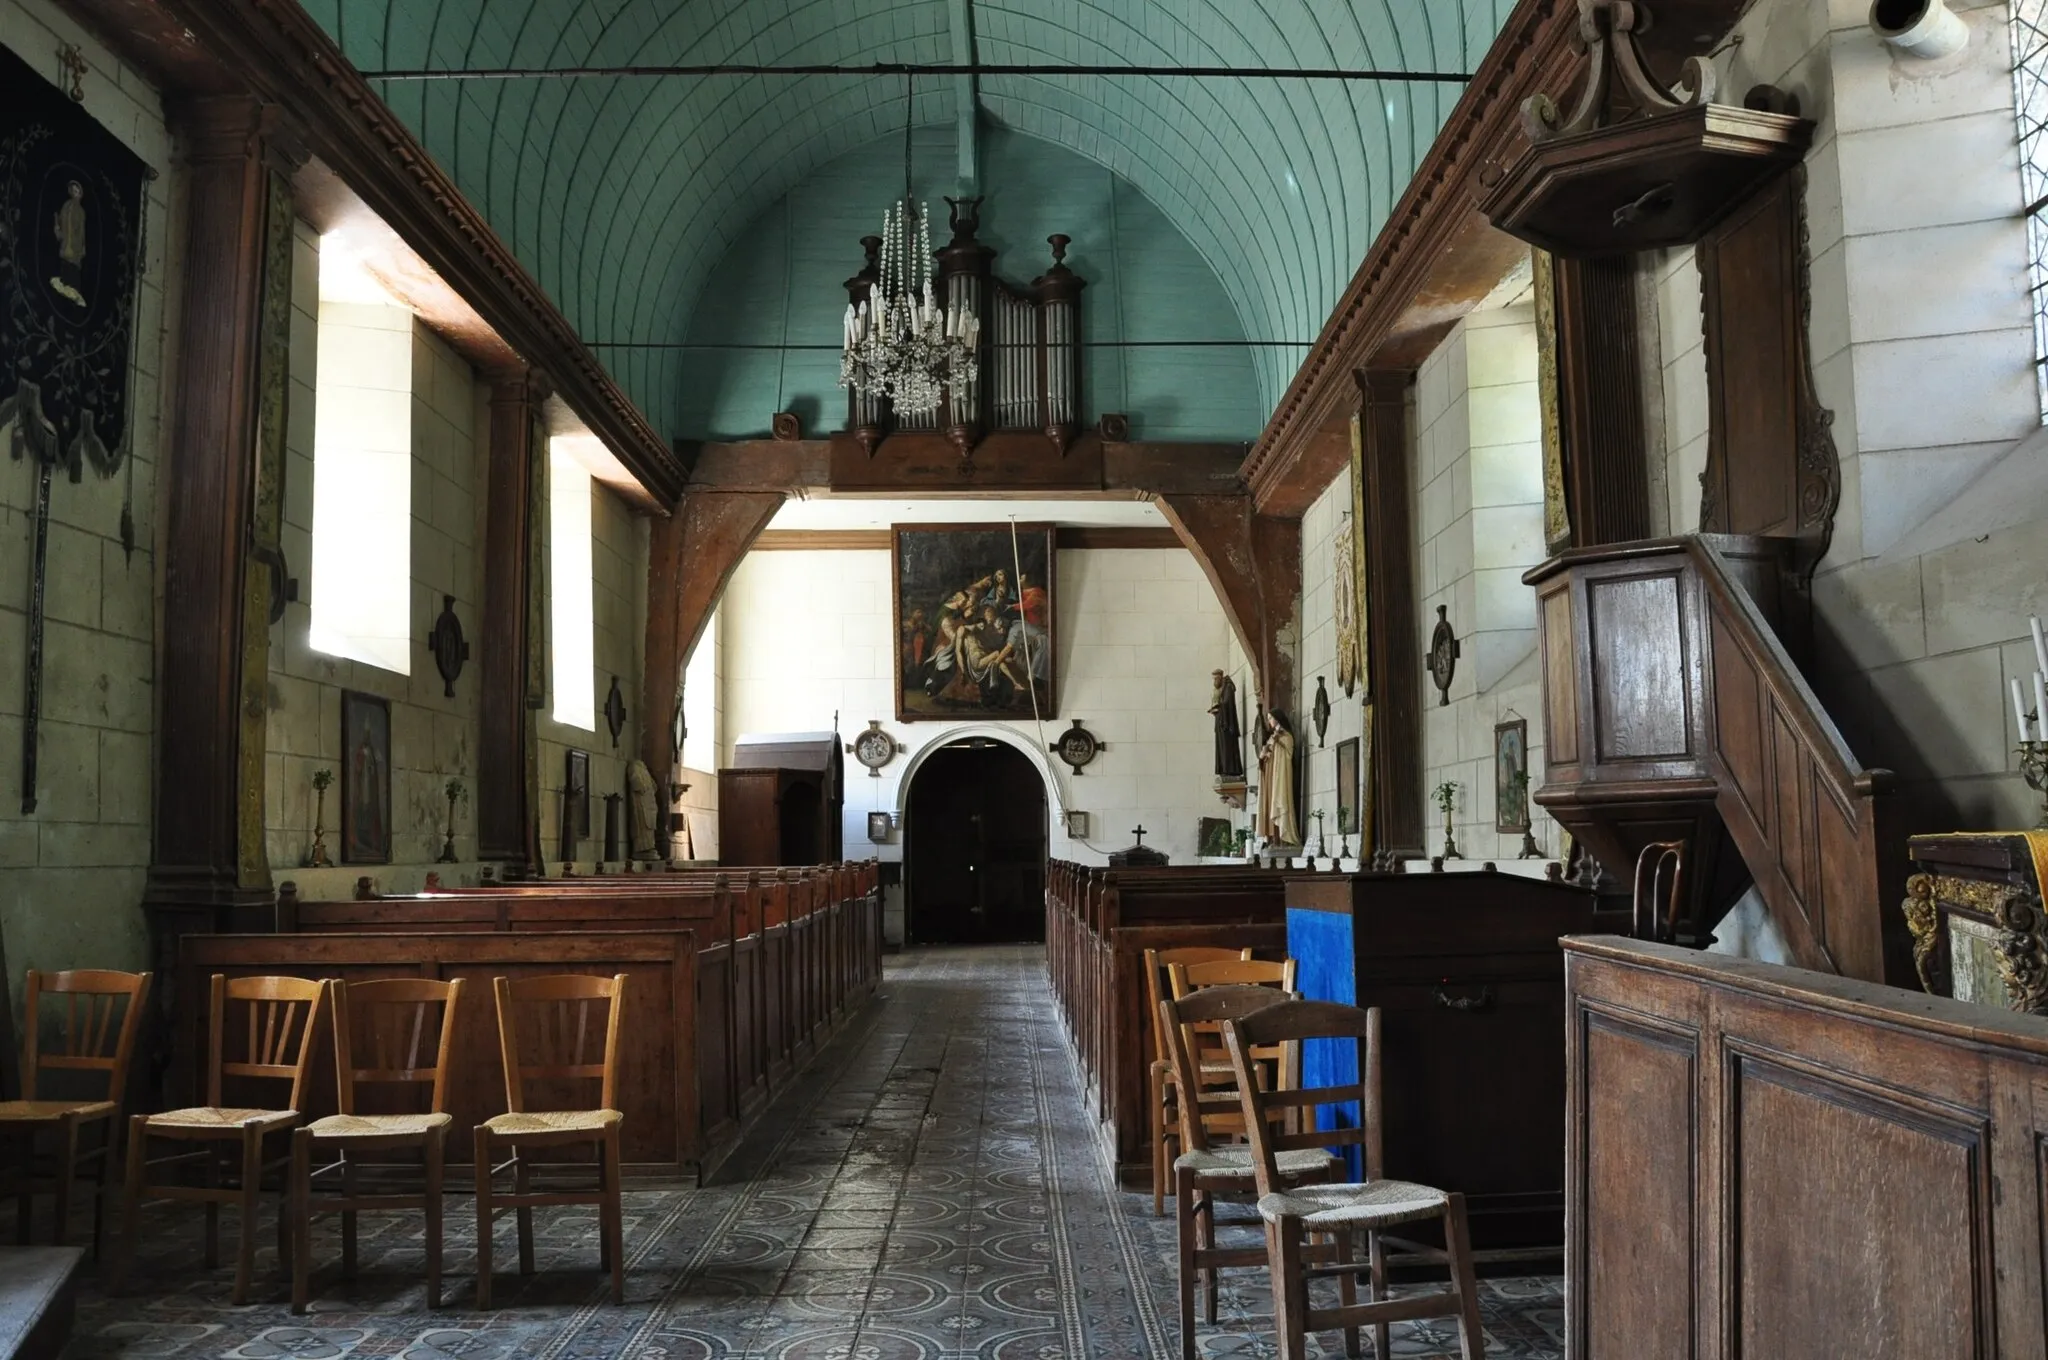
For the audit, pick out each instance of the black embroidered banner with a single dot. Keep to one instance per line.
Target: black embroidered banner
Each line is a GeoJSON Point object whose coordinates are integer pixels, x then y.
{"type": "Point", "coordinates": [70, 244]}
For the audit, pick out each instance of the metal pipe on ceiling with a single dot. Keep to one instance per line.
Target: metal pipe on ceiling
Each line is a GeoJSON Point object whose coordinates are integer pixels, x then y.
{"type": "Point", "coordinates": [897, 68]}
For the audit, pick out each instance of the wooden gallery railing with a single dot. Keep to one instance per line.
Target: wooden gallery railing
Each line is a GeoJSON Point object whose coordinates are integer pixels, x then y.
{"type": "Point", "coordinates": [738, 978]}
{"type": "Point", "coordinates": [1098, 925]}
{"type": "Point", "coordinates": [1673, 712]}
{"type": "Point", "coordinates": [1764, 1161]}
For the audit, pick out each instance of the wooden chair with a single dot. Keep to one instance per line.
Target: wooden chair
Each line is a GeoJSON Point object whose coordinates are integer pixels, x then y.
{"type": "Point", "coordinates": [1188, 977]}
{"type": "Point", "coordinates": [1211, 1111]}
{"type": "Point", "coordinates": [284, 1018]}
{"type": "Point", "coordinates": [89, 1042]}
{"type": "Point", "coordinates": [1341, 1212]}
{"type": "Point", "coordinates": [559, 1008]}
{"type": "Point", "coordinates": [1658, 901]}
{"type": "Point", "coordinates": [400, 1021]}
{"type": "Point", "coordinates": [1165, 1141]}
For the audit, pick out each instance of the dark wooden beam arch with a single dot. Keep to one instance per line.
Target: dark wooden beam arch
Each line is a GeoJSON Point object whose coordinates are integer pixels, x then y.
{"type": "Point", "coordinates": [1254, 563]}
{"type": "Point", "coordinates": [691, 557]}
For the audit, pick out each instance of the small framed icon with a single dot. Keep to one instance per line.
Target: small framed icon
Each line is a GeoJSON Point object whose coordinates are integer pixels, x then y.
{"type": "Point", "coordinates": [879, 825]}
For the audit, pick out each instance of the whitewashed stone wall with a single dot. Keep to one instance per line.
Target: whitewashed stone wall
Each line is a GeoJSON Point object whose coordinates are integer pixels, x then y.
{"type": "Point", "coordinates": [1922, 347]}
{"type": "Point", "coordinates": [1479, 526]}
{"type": "Point", "coordinates": [433, 737]}
{"type": "Point", "coordinates": [71, 874]}
{"type": "Point", "coordinates": [808, 634]}
{"type": "Point", "coordinates": [1321, 526]}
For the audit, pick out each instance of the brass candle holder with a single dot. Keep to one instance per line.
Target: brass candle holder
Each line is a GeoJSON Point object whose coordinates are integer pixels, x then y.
{"type": "Point", "coordinates": [1446, 796]}
{"type": "Point", "coordinates": [455, 792]}
{"type": "Point", "coordinates": [316, 854]}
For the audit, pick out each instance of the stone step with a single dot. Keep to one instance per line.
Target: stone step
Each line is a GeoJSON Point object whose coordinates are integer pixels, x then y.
{"type": "Point", "coordinates": [38, 1291]}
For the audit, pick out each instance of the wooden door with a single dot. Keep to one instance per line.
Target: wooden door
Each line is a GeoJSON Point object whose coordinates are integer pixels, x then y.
{"type": "Point", "coordinates": [975, 847]}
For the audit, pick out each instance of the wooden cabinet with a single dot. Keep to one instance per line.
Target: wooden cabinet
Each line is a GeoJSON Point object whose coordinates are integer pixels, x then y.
{"type": "Point", "coordinates": [1469, 978]}
{"type": "Point", "coordinates": [780, 802]}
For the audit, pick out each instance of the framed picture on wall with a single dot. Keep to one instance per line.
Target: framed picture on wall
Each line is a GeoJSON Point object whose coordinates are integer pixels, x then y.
{"type": "Point", "coordinates": [1347, 787]}
{"type": "Point", "coordinates": [974, 610]}
{"type": "Point", "coordinates": [878, 827]}
{"type": "Point", "coordinates": [1511, 776]}
{"type": "Point", "coordinates": [576, 791]}
{"type": "Point", "coordinates": [365, 779]}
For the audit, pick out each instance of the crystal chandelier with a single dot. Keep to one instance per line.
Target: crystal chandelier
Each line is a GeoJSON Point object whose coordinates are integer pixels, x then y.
{"type": "Point", "coordinates": [901, 343]}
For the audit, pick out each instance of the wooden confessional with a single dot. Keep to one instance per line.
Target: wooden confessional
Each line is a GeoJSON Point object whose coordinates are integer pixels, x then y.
{"type": "Point", "coordinates": [780, 800]}
{"type": "Point", "coordinates": [1677, 705]}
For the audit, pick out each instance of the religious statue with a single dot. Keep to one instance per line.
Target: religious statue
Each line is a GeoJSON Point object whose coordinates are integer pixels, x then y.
{"type": "Point", "coordinates": [1279, 822]}
{"type": "Point", "coordinates": [640, 785]}
{"type": "Point", "coordinates": [1229, 739]}
{"type": "Point", "coordinates": [69, 230]}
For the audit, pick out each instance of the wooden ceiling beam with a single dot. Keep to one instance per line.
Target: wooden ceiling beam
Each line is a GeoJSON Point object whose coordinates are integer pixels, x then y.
{"type": "Point", "coordinates": [1437, 257]}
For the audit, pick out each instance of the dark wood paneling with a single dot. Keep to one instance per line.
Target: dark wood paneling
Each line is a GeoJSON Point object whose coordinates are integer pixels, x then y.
{"type": "Point", "coordinates": [1560, 681]}
{"type": "Point", "coordinates": [1393, 638]}
{"type": "Point", "coordinates": [1862, 1221]}
{"type": "Point", "coordinates": [1637, 1138]}
{"type": "Point", "coordinates": [1639, 668]}
{"type": "Point", "coordinates": [507, 698]}
{"type": "Point", "coordinates": [1868, 1177]}
{"type": "Point", "coordinates": [1600, 400]}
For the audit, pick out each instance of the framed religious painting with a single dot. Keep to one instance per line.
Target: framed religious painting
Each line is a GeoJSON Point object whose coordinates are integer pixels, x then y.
{"type": "Point", "coordinates": [974, 612]}
{"type": "Point", "coordinates": [1511, 776]}
{"type": "Point", "coordinates": [365, 779]}
{"type": "Point", "coordinates": [576, 792]}
{"type": "Point", "coordinates": [1347, 787]}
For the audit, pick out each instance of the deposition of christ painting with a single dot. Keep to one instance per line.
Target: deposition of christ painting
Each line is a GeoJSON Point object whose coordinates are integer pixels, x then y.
{"type": "Point", "coordinates": [974, 621]}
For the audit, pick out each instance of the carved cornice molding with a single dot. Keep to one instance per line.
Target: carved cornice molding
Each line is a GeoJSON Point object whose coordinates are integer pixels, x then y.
{"type": "Point", "coordinates": [289, 60]}
{"type": "Point", "coordinates": [1534, 50]}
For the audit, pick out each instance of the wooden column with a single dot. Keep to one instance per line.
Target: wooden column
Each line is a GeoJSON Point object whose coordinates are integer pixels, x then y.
{"type": "Point", "coordinates": [221, 486]}
{"type": "Point", "coordinates": [514, 681]}
{"type": "Point", "coordinates": [1393, 637]}
{"type": "Point", "coordinates": [691, 556]}
{"type": "Point", "coordinates": [1254, 563]}
{"type": "Point", "coordinates": [1600, 401]}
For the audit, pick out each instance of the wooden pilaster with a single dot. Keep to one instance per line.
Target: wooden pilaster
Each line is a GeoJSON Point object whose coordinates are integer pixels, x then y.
{"type": "Point", "coordinates": [220, 507]}
{"type": "Point", "coordinates": [1254, 563]}
{"type": "Point", "coordinates": [690, 557]}
{"type": "Point", "coordinates": [1393, 637]}
{"type": "Point", "coordinates": [514, 671]}
{"type": "Point", "coordinates": [1600, 401]}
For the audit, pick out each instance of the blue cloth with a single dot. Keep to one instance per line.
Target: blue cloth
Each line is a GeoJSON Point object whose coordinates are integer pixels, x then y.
{"type": "Point", "coordinates": [1320, 944]}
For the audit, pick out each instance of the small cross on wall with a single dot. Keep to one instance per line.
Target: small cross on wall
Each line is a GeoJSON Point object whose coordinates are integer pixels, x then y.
{"type": "Point", "coordinates": [1139, 832]}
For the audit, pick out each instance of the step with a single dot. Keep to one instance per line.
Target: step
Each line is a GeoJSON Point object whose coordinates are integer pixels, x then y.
{"type": "Point", "coordinates": [38, 1290]}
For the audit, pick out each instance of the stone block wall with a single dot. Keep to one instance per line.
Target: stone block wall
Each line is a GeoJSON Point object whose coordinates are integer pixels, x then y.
{"type": "Point", "coordinates": [1478, 527]}
{"type": "Point", "coordinates": [72, 872]}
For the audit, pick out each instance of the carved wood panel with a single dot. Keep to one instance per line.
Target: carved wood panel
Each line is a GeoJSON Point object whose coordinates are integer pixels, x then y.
{"type": "Point", "coordinates": [1560, 687]}
{"type": "Point", "coordinates": [1861, 1218]}
{"type": "Point", "coordinates": [1633, 1088]}
{"type": "Point", "coordinates": [1772, 468]}
{"type": "Point", "coordinates": [1640, 695]}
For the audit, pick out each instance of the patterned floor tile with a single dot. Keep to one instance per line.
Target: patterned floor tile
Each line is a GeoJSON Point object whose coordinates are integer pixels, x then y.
{"type": "Point", "coordinates": [931, 1190]}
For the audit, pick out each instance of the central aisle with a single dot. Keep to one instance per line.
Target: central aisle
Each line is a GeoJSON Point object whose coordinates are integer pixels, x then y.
{"type": "Point", "coordinates": [930, 1190]}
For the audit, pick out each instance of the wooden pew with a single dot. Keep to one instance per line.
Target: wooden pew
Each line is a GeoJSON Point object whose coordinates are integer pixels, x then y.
{"type": "Point", "coordinates": [1099, 923]}
{"type": "Point", "coordinates": [780, 958]}
{"type": "Point", "coordinates": [1769, 1161]}
{"type": "Point", "coordinates": [658, 1074]}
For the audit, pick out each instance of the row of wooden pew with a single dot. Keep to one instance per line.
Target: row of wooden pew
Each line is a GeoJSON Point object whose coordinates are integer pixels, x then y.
{"type": "Point", "coordinates": [1098, 925]}
{"type": "Point", "coordinates": [738, 977]}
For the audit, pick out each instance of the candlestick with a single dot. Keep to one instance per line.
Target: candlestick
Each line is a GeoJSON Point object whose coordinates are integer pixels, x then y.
{"type": "Point", "coordinates": [2034, 769]}
{"type": "Point", "coordinates": [2040, 707]}
{"type": "Point", "coordinates": [2019, 708]}
{"type": "Point", "coordinates": [2040, 645]}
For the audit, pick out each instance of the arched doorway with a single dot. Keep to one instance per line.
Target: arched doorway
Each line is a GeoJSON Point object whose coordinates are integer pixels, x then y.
{"type": "Point", "coordinates": [974, 846]}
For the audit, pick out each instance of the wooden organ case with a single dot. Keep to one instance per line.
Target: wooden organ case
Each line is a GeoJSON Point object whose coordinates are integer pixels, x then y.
{"type": "Point", "coordinates": [1029, 373]}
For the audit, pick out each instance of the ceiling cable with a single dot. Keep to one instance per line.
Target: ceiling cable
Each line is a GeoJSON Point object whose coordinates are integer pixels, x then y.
{"type": "Point", "coordinates": [911, 69]}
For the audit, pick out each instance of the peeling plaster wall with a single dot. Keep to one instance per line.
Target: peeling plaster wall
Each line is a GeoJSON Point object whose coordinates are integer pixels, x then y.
{"type": "Point", "coordinates": [71, 873]}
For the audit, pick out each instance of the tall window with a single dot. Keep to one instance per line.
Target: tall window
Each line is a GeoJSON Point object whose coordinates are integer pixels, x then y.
{"type": "Point", "coordinates": [362, 469]}
{"type": "Point", "coordinates": [701, 701]}
{"type": "Point", "coordinates": [573, 622]}
{"type": "Point", "coordinates": [2030, 103]}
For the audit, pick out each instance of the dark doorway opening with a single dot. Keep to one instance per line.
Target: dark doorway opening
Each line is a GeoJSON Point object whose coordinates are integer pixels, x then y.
{"type": "Point", "coordinates": [974, 846]}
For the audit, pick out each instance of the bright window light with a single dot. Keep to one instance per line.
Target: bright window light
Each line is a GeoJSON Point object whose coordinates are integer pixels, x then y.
{"type": "Point", "coordinates": [700, 702]}
{"type": "Point", "coordinates": [361, 570]}
{"type": "Point", "coordinates": [573, 631]}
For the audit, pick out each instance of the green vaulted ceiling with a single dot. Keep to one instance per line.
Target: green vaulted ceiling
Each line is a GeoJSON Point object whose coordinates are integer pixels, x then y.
{"type": "Point", "coordinates": [622, 194]}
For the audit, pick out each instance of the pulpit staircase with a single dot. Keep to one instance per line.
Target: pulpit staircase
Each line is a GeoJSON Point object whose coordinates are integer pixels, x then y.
{"type": "Point", "coordinates": [1675, 712]}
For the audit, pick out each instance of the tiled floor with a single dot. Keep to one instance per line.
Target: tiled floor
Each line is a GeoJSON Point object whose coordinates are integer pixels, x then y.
{"type": "Point", "coordinates": [929, 1192]}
